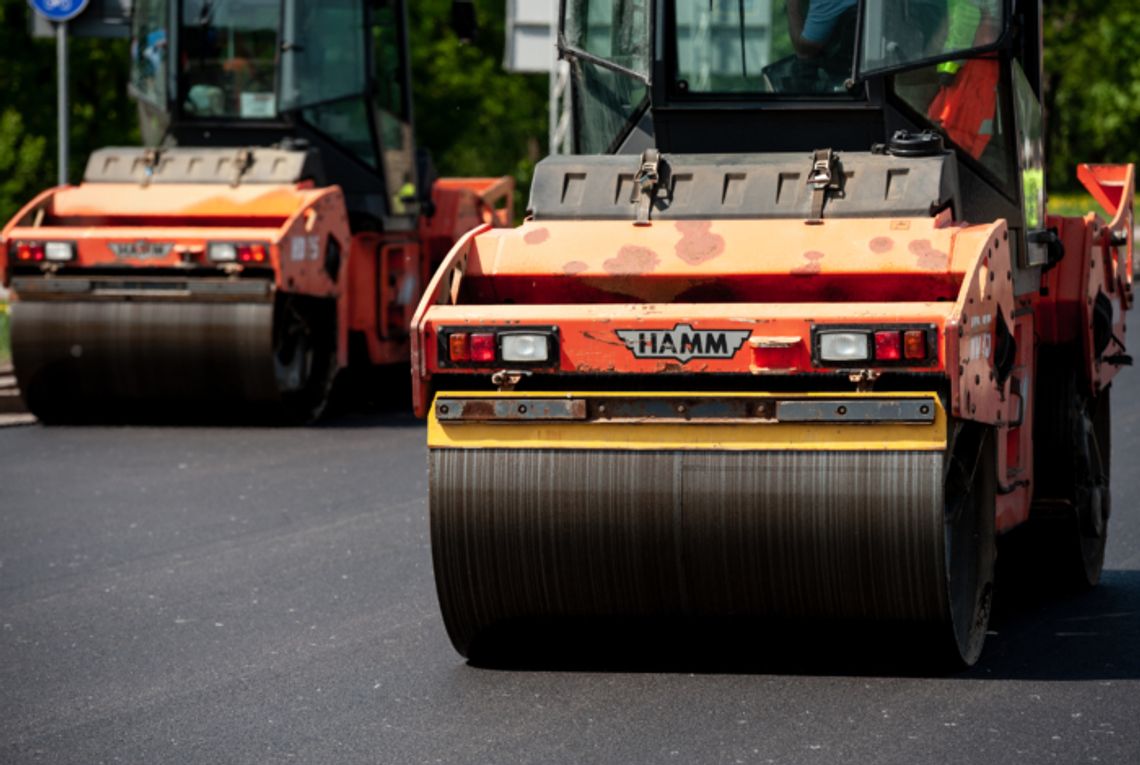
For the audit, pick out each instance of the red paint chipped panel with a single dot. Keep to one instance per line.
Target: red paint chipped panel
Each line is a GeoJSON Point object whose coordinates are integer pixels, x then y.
{"type": "Point", "coordinates": [881, 244]}
{"type": "Point", "coordinates": [574, 267]}
{"type": "Point", "coordinates": [538, 236]}
{"type": "Point", "coordinates": [928, 257]}
{"type": "Point", "coordinates": [698, 244]}
{"type": "Point", "coordinates": [812, 266]}
{"type": "Point", "coordinates": [632, 259]}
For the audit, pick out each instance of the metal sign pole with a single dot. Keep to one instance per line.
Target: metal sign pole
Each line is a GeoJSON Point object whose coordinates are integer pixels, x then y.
{"type": "Point", "coordinates": [63, 102]}
{"type": "Point", "coordinates": [59, 12]}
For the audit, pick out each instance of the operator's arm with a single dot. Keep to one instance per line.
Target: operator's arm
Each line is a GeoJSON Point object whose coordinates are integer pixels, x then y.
{"type": "Point", "coordinates": [804, 47]}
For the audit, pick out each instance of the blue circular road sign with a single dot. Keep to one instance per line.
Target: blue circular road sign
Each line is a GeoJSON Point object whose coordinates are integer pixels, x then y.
{"type": "Point", "coordinates": [58, 10]}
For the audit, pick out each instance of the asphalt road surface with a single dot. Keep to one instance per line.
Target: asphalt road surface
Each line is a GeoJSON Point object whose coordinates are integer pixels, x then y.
{"type": "Point", "coordinates": [245, 595]}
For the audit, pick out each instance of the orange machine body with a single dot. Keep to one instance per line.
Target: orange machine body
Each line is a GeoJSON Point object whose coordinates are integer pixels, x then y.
{"type": "Point", "coordinates": [605, 287]}
{"type": "Point", "coordinates": [300, 237]}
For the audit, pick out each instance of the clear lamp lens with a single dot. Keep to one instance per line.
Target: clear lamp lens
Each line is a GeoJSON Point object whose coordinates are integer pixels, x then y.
{"type": "Point", "coordinates": [843, 346]}
{"type": "Point", "coordinates": [222, 251]}
{"type": "Point", "coordinates": [59, 251]}
{"type": "Point", "coordinates": [525, 348]}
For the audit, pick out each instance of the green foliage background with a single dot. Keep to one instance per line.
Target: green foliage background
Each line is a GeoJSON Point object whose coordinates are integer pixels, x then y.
{"type": "Point", "coordinates": [479, 120]}
{"type": "Point", "coordinates": [474, 117]}
{"type": "Point", "coordinates": [1092, 99]}
{"type": "Point", "coordinates": [101, 114]}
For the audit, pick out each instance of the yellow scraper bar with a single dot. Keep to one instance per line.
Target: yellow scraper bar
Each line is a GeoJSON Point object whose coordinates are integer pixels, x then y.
{"type": "Point", "coordinates": [578, 430]}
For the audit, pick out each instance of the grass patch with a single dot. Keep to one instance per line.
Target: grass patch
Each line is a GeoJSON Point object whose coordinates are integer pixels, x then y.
{"type": "Point", "coordinates": [5, 345]}
{"type": "Point", "coordinates": [1072, 205]}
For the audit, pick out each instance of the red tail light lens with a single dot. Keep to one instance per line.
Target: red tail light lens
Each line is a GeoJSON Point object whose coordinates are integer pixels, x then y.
{"type": "Point", "coordinates": [884, 345]}
{"type": "Point", "coordinates": [888, 346]}
{"type": "Point", "coordinates": [30, 252]}
{"type": "Point", "coordinates": [458, 347]}
{"type": "Point", "coordinates": [252, 253]}
{"type": "Point", "coordinates": [483, 347]}
{"type": "Point", "coordinates": [914, 344]}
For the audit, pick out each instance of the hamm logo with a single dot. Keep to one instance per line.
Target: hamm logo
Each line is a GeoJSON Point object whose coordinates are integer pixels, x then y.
{"type": "Point", "coordinates": [140, 250]}
{"type": "Point", "coordinates": [683, 342]}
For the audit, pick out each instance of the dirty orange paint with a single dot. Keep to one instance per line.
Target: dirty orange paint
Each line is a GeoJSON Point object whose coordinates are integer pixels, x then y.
{"type": "Point", "coordinates": [882, 244]}
{"type": "Point", "coordinates": [812, 266]}
{"type": "Point", "coordinates": [928, 256]}
{"type": "Point", "coordinates": [537, 236]}
{"type": "Point", "coordinates": [632, 259]}
{"type": "Point", "coordinates": [698, 244]}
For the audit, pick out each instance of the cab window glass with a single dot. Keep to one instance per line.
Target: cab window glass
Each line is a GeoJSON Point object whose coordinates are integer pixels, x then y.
{"type": "Point", "coordinates": [323, 58]}
{"type": "Point", "coordinates": [897, 33]}
{"type": "Point", "coordinates": [391, 108]}
{"type": "Point", "coordinates": [607, 103]}
{"type": "Point", "coordinates": [149, 40]}
{"type": "Point", "coordinates": [606, 100]}
{"type": "Point", "coordinates": [764, 46]}
{"type": "Point", "coordinates": [965, 106]}
{"type": "Point", "coordinates": [149, 67]}
{"type": "Point", "coordinates": [1031, 161]}
{"type": "Point", "coordinates": [347, 123]}
{"type": "Point", "coordinates": [389, 63]}
{"type": "Point", "coordinates": [616, 30]}
{"type": "Point", "coordinates": [1030, 149]}
{"type": "Point", "coordinates": [229, 58]}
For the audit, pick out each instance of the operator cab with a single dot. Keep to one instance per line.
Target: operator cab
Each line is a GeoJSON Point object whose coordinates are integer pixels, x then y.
{"type": "Point", "coordinates": [775, 78]}
{"type": "Point", "coordinates": [332, 74]}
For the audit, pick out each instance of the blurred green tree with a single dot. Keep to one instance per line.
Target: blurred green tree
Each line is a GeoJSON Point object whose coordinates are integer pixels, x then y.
{"type": "Point", "coordinates": [101, 114]}
{"type": "Point", "coordinates": [474, 117]}
{"type": "Point", "coordinates": [1092, 98]}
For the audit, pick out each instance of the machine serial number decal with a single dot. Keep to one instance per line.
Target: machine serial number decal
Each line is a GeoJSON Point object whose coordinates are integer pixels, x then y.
{"type": "Point", "coordinates": [141, 250]}
{"type": "Point", "coordinates": [683, 343]}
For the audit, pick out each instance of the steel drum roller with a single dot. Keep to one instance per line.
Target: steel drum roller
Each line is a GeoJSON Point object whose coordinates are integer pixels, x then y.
{"type": "Point", "coordinates": [65, 352]}
{"type": "Point", "coordinates": [587, 533]}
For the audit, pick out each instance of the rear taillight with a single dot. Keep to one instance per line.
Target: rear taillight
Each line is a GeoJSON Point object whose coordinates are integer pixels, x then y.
{"type": "Point", "coordinates": [888, 345]}
{"type": "Point", "coordinates": [489, 346]}
{"type": "Point", "coordinates": [40, 252]}
{"type": "Point", "coordinates": [483, 347]}
{"type": "Point", "coordinates": [249, 253]}
{"type": "Point", "coordinates": [915, 344]}
{"type": "Point", "coordinates": [878, 346]}
{"type": "Point", "coordinates": [252, 253]}
{"type": "Point", "coordinates": [29, 252]}
{"type": "Point", "coordinates": [458, 347]}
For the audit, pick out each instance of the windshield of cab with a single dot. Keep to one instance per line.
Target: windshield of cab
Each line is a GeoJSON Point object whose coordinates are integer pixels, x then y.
{"type": "Point", "coordinates": [227, 56]}
{"type": "Point", "coordinates": [792, 47]}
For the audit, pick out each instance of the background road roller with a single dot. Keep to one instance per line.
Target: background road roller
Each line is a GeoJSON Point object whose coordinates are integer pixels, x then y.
{"type": "Point", "coordinates": [279, 225]}
{"type": "Point", "coordinates": [792, 337]}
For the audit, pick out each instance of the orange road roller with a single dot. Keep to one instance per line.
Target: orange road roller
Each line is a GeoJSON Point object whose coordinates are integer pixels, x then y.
{"type": "Point", "coordinates": [792, 336]}
{"type": "Point", "coordinates": [278, 225]}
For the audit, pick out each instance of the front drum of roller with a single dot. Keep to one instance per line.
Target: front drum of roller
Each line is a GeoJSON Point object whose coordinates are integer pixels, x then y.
{"type": "Point", "coordinates": [900, 536]}
{"type": "Point", "coordinates": [68, 355]}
